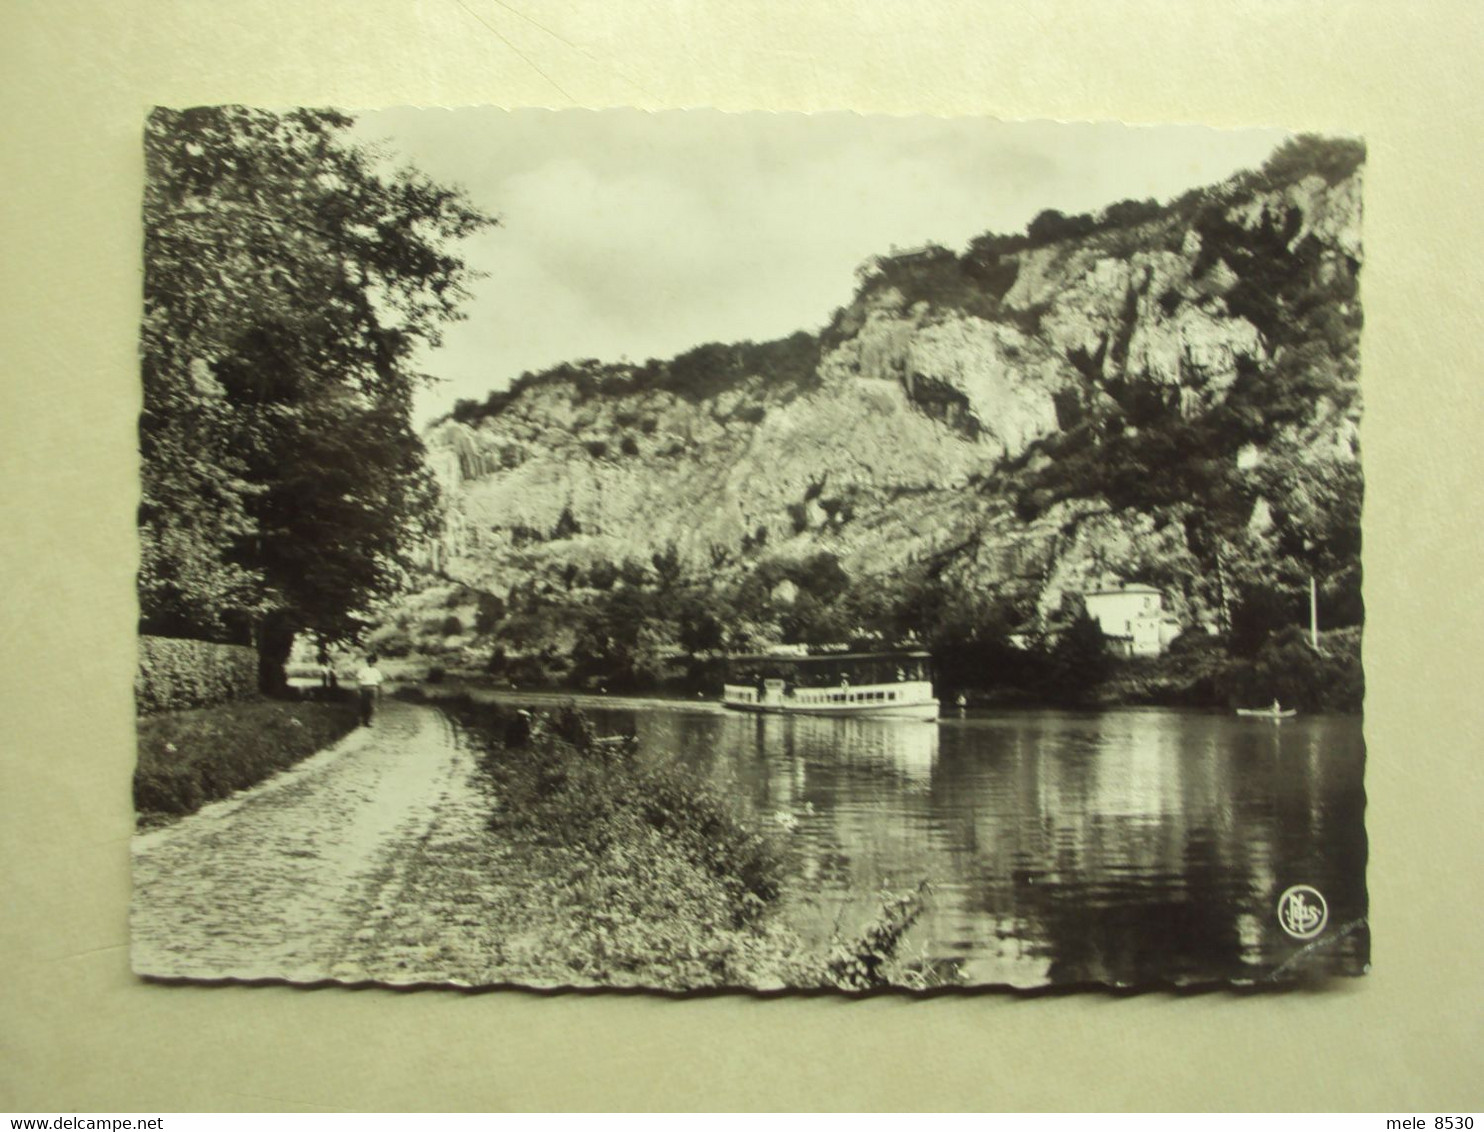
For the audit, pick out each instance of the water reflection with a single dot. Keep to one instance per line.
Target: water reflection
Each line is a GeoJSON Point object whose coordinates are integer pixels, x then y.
{"type": "Point", "coordinates": [1124, 847]}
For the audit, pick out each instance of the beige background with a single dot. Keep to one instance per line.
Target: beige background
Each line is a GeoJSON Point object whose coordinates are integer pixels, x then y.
{"type": "Point", "coordinates": [80, 1033]}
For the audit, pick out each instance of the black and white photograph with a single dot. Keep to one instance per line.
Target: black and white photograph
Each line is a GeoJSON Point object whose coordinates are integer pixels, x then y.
{"type": "Point", "coordinates": [693, 551]}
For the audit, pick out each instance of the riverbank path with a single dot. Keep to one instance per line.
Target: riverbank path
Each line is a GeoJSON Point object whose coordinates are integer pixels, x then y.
{"type": "Point", "coordinates": [299, 877]}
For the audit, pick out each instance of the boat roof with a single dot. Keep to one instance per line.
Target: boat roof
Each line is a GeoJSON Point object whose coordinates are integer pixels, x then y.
{"type": "Point", "coordinates": [820, 658]}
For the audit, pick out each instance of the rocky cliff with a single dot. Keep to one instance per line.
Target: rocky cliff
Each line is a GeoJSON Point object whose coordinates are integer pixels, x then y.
{"type": "Point", "coordinates": [1167, 393]}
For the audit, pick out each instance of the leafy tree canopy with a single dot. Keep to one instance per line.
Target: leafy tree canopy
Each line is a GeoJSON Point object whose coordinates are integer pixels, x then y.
{"type": "Point", "coordinates": [288, 282]}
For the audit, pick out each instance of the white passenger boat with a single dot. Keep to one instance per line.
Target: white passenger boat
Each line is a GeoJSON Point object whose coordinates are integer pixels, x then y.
{"type": "Point", "coordinates": [882, 685]}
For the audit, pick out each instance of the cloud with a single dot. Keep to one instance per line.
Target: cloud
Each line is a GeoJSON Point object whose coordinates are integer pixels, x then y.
{"type": "Point", "coordinates": [635, 234]}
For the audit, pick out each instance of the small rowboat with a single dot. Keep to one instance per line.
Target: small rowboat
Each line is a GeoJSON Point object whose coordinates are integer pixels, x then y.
{"type": "Point", "coordinates": [1267, 713]}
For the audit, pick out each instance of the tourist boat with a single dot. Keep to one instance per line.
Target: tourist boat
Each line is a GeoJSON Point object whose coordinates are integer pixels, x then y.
{"type": "Point", "coordinates": [1267, 713]}
{"type": "Point", "coordinates": [876, 685]}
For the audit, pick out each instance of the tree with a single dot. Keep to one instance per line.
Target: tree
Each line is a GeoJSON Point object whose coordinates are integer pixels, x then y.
{"type": "Point", "coordinates": [489, 612]}
{"type": "Point", "coordinates": [288, 283]}
{"type": "Point", "coordinates": [602, 574]}
{"type": "Point", "coordinates": [566, 525]}
{"type": "Point", "coordinates": [668, 566]}
{"type": "Point", "coordinates": [1334, 159]}
{"type": "Point", "coordinates": [1127, 213]}
{"type": "Point", "coordinates": [811, 621]}
{"type": "Point", "coordinates": [699, 629]}
{"type": "Point", "coordinates": [633, 573]}
{"type": "Point", "coordinates": [616, 641]}
{"type": "Point", "coordinates": [1079, 661]}
{"type": "Point", "coordinates": [1051, 225]}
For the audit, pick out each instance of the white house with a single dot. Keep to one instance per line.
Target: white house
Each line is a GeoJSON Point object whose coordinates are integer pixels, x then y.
{"type": "Point", "coordinates": [1132, 618]}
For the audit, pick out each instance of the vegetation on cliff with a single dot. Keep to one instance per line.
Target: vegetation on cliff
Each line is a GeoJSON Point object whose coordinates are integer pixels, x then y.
{"type": "Point", "coordinates": [1167, 393]}
{"type": "Point", "coordinates": [699, 374]}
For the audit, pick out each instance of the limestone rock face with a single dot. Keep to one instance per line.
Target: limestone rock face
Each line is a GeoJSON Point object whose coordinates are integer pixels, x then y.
{"type": "Point", "coordinates": [986, 380]}
{"type": "Point", "coordinates": [1330, 214]}
{"type": "Point", "coordinates": [922, 428]}
{"type": "Point", "coordinates": [794, 476]}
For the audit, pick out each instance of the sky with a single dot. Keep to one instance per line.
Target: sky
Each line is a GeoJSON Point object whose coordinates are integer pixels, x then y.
{"type": "Point", "coordinates": [626, 235]}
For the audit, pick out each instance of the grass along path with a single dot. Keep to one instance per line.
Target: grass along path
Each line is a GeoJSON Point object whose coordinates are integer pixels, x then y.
{"type": "Point", "coordinates": [187, 759]}
{"type": "Point", "coordinates": [423, 851]}
{"type": "Point", "coordinates": [286, 880]}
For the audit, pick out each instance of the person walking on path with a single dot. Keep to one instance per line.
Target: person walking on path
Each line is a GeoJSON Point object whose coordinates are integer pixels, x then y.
{"type": "Point", "coordinates": [326, 673]}
{"type": "Point", "coordinates": [368, 681]}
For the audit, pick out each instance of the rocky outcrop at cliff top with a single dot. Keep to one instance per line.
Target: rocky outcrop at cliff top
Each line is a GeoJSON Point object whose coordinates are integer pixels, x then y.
{"type": "Point", "coordinates": [971, 411]}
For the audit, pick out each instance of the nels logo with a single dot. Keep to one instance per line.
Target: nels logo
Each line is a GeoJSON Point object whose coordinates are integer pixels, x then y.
{"type": "Point", "coordinates": [1302, 912]}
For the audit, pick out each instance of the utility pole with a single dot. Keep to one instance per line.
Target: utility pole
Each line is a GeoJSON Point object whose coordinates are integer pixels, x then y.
{"type": "Point", "coordinates": [1313, 614]}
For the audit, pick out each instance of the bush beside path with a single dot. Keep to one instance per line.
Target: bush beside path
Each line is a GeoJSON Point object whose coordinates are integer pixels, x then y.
{"type": "Point", "coordinates": [190, 758]}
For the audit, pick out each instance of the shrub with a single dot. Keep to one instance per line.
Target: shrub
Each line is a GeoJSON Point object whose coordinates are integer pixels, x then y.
{"type": "Point", "coordinates": [1127, 213]}
{"type": "Point", "coordinates": [527, 671]}
{"type": "Point", "coordinates": [602, 574]}
{"type": "Point", "coordinates": [865, 963]}
{"type": "Point", "coordinates": [390, 641]}
{"type": "Point", "coordinates": [634, 573]}
{"type": "Point", "coordinates": [1196, 642]}
{"type": "Point", "coordinates": [489, 613]}
{"type": "Point", "coordinates": [1288, 669]}
{"type": "Point", "coordinates": [175, 674]}
{"type": "Point", "coordinates": [1079, 661]}
{"type": "Point", "coordinates": [1050, 226]}
{"type": "Point", "coordinates": [1334, 159]}
{"type": "Point", "coordinates": [590, 792]}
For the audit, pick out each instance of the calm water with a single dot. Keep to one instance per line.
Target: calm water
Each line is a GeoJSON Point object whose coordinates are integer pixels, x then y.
{"type": "Point", "coordinates": [1131, 846]}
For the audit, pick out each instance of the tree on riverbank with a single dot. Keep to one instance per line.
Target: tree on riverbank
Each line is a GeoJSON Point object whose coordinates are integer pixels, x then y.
{"type": "Point", "coordinates": [288, 283]}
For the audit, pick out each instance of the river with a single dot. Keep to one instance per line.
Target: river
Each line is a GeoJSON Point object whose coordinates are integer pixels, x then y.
{"type": "Point", "coordinates": [1126, 847]}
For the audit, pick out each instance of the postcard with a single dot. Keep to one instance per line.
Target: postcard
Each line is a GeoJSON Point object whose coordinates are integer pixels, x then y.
{"type": "Point", "coordinates": [756, 552]}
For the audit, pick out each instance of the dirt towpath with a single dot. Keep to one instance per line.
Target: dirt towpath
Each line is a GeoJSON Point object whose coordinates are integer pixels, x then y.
{"type": "Point", "coordinates": [301, 877]}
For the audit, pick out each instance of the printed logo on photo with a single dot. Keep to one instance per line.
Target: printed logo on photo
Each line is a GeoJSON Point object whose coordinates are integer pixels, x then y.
{"type": "Point", "coordinates": [1302, 912]}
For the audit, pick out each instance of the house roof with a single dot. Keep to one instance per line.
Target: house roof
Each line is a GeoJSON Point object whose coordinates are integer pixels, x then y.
{"type": "Point", "coordinates": [826, 658]}
{"type": "Point", "coordinates": [1133, 589]}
